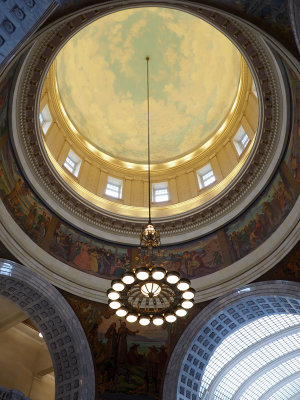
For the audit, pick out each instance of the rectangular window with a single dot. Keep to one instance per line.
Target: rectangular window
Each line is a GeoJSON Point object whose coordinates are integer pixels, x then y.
{"type": "Point", "coordinates": [73, 163]}
{"type": "Point", "coordinates": [205, 176]}
{"type": "Point", "coordinates": [45, 119]}
{"type": "Point", "coordinates": [160, 192]}
{"type": "Point", "coordinates": [241, 140]}
{"type": "Point", "coordinates": [114, 187]}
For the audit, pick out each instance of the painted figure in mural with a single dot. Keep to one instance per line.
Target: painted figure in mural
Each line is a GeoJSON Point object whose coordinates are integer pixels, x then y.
{"type": "Point", "coordinates": [118, 268]}
{"type": "Point", "coordinates": [126, 262]}
{"type": "Point", "coordinates": [56, 244]}
{"type": "Point", "coordinates": [103, 263]}
{"type": "Point", "coordinates": [152, 368]}
{"type": "Point", "coordinates": [82, 260]}
{"type": "Point", "coordinates": [112, 341]}
{"type": "Point", "coordinates": [18, 190]}
{"type": "Point", "coordinates": [75, 250]}
{"type": "Point", "coordinates": [196, 262]}
{"type": "Point", "coordinates": [31, 216]}
{"type": "Point", "coordinates": [269, 213]}
{"type": "Point", "coordinates": [122, 342]}
{"type": "Point", "coordinates": [162, 357]}
{"type": "Point", "coordinates": [93, 336]}
{"type": "Point", "coordinates": [217, 260]}
{"type": "Point", "coordinates": [94, 259]}
{"type": "Point", "coordinates": [257, 231]}
{"type": "Point", "coordinates": [133, 356]}
{"type": "Point", "coordinates": [67, 243]}
{"type": "Point", "coordinates": [3, 186]}
{"type": "Point", "coordinates": [185, 263]}
{"type": "Point", "coordinates": [40, 228]}
{"type": "Point", "coordinates": [286, 195]}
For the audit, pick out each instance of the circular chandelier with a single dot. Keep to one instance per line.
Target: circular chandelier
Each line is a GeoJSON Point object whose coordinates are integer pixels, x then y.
{"type": "Point", "coordinates": [150, 293]}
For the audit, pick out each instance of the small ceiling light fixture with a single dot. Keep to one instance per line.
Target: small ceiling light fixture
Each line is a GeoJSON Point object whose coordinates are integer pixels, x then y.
{"type": "Point", "coordinates": [150, 293]}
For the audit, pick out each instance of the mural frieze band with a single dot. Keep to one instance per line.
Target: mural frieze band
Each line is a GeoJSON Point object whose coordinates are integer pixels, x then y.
{"type": "Point", "coordinates": [196, 258]}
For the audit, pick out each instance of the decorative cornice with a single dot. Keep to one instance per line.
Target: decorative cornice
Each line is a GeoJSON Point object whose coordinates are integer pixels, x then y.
{"type": "Point", "coordinates": [253, 177]}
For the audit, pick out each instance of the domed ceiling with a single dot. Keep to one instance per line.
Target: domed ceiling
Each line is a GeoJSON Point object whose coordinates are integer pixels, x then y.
{"type": "Point", "coordinates": [194, 79]}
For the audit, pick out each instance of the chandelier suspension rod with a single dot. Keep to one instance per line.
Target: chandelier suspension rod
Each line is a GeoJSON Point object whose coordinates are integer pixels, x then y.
{"type": "Point", "coordinates": [149, 186]}
{"type": "Point", "coordinates": [149, 292]}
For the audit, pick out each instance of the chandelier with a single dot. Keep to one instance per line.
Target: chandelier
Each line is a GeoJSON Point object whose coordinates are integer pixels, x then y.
{"type": "Point", "coordinates": [150, 293]}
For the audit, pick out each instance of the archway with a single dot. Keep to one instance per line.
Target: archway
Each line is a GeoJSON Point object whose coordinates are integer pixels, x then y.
{"type": "Point", "coordinates": [217, 323]}
{"type": "Point", "coordinates": [65, 338]}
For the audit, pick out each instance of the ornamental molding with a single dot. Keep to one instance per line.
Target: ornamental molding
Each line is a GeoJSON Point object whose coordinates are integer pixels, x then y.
{"type": "Point", "coordinates": [257, 171]}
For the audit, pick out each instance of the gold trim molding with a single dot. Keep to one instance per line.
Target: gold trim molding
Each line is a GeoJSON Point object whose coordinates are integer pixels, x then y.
{"type": "Point", "coordinates": [138, 172]}
{"type": "Point", "coordinates": [243, 189]}
{"type": "Point", "coordinates": [124, 167]}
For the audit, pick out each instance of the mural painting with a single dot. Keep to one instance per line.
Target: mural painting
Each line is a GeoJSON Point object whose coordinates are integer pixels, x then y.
{"type": "Point", "coordinates": [108, 260]}
{"type": "Point", "coordinates": [129, 359]}
{"type": "Point", "coordinates": [287, 269]}
{"type": "Point", "coordinates": [262, 219]}
{"type": "Point", "coordinates": [196, 258]}
{"type": "Point", "coordinates": [88, 254]}
{"type": "Point", "coordinates": [292, 156]}
{"type": "Point", "coordinates": [25, 208]}
{"type": "Point", "coordinates": [266, 214]}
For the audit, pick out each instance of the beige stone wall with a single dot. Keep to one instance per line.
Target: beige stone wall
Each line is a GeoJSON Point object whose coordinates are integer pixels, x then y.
{"type": "Point", "coordinates": [25, 362]}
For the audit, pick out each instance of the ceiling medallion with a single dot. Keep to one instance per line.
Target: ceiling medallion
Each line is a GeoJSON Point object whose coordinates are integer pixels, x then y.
{"type": "Point", "coordinates": [150, 293]}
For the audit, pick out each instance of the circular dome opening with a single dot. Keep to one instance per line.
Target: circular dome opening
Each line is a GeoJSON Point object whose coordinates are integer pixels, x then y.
{"type": "Point", "coordinates": [203, 111]}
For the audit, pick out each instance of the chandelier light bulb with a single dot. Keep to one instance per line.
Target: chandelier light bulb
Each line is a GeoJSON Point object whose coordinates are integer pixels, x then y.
{"type": "Point", "coordinates": [151, 289]}
{"type": "Point", "coordinates": [158, 273]}
{"type": "Point", "coordinates": [150, 237]}
{"type": "Point", "coordinates": [40, 335]}
{"type": "Point", "coordinates": [149, 230]}
{"type": "Point", "coordinates": [170, 318]}
{"type": "Point", "coordinates": [112, 295]}
{"type": "Point", "coordinates": [131, 318]}
{"type": "Point", "coordinates": [181, 312]}
{"type": "Point", "coordinates": [114, 304]}
{"type": "Point", "coordinates": [128, 278]}
{"type": "Point", "coordinates": [121, 312]}
{"type": "Point", "coordinates": [172, 277]}
{"type": "Point", "coordinates": [117, 285]}
{"type": "Point", "coordinates": [187, 304]}
{"type": "Point", "coordinates": [158, 321]}
{"type": "Point", "coordinates": [183, 284]}
{"type": "Point", "coordinates": [188, 294]}
{"type": "Point", "coordinates": [142, 274]}
{"type": "Point", "coordinates": [144, 321]}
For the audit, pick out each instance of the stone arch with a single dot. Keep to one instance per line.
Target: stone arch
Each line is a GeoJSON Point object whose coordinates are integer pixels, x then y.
{"type": "Point", "coordinates": [216, 322]}
{"type": "Point", "coordinates": [63, 333]}
{"type": "Point", "coordinates": [294, 11]}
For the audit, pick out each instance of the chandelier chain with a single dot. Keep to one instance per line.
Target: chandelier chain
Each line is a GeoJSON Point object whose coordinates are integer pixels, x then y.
{"type": "Point", "coordinates": [148, 109]}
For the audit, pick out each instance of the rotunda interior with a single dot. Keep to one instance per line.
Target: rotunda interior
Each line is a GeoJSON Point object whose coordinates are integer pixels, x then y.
{"type": "Point", "coordinates": [206, 149]}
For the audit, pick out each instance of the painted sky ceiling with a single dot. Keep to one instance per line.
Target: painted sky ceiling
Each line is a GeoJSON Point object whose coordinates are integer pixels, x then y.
{"type": "Point", "coordinates": [194, 77]}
